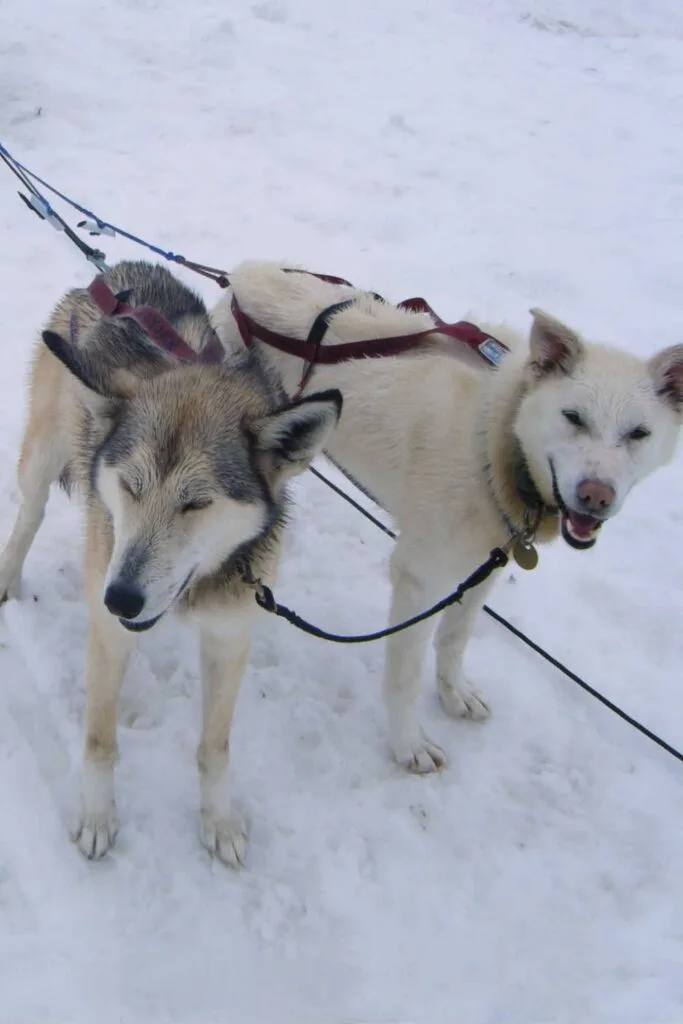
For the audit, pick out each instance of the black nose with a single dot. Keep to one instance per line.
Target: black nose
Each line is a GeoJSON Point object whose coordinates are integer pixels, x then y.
{"type": "Point", "coordinates": [124, 599]}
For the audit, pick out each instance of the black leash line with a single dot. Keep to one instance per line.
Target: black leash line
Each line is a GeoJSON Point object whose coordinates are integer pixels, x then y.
{"type": "Point", "coordinates": [520, 635]}
{"type": "Point", "coordinates": [266, 599]}
{"type": "Point", "coordinates": [585, 686]}
{"type": "Point", "coordinates": [347, 497]}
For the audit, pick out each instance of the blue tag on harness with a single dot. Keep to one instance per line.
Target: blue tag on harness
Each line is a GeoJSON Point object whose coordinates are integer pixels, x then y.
{"type": "Point", "coordinates": [492, 350]}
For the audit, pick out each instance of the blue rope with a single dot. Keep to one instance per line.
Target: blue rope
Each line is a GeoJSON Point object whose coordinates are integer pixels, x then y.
{"type": "Point", "coordinates": [9, 159]}
{"type": "Point", "coordinates": [101, 224]}
{"type": "Point", "coordinates": [37, 202]}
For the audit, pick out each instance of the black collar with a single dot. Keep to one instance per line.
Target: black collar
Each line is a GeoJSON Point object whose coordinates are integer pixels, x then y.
{"type": "Point", "coordinates": [535, 507]}
{"type": "Point", "coordinates": [526, 488]}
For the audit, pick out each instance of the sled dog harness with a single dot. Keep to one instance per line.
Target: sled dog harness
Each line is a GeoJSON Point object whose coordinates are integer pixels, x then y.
{"type": "Point", "coordinates": [153, 324]}
{"type": "Point", "coordinates": [313, 352]}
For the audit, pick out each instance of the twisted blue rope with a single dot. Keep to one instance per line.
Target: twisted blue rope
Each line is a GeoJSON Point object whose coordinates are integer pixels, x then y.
{"type": "Point", "coordinates": [101, 224]}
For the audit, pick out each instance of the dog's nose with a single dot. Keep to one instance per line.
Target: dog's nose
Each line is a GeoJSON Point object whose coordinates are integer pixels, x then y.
{"type": "Point", "coordinates": [595, 496]}
{"type": "Point", "coordinates": [124, 599]}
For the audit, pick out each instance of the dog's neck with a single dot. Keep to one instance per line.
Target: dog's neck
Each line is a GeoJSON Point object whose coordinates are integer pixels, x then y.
{"type": "Point", "coordinates": [528, 492]}
{"type": "Point", "coordinates": [516, 494]}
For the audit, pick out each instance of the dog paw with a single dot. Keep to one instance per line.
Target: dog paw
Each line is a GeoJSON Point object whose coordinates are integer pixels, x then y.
{"type": "Point", "coordinates": [420, 757]}
{"type": "Point", "coordinates": [462, 702]}
{"type": "Point", "coordinates": [94, 834]}
{"type": "Point", "coordinates": [225, 838]}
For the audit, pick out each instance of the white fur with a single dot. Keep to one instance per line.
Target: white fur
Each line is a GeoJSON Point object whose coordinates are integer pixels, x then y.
{"type": "Point", "coordinates": [614, 393]}
{"type": "Point", "coordinates": [224, 642]}
{"type": "Point", "coordinates": [194, 543]}
{"type": "Point", "coordinates": [418, 430]}
{"type": "Point", "coordinates": [98, 824]}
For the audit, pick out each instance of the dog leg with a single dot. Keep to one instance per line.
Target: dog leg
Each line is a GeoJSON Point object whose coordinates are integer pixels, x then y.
{"type": "Point", "coordinates": [457, 697]}
{"type": "Point", "coordinates": [225, 646]}
{"type": "Point", "coordinates": [42, 459]}
{"type": "Point", "coordinates": [405, 658]}
{"type": "Point", "coordinates": [109, 650]}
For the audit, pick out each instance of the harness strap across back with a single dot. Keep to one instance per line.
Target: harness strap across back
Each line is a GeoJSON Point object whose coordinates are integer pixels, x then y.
{"type": "Point", "coordinates": [312, 351]}
{"type": "Point", "coordinates": [154, 325]}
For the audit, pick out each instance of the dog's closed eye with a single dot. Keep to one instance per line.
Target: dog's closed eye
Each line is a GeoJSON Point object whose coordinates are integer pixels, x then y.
{"type": "Point", "coordinates": [133, 490]}
{"type": "Point", "coordinates": [573, 417]}
{"type": "Point", "coordinates": [637, 434]}
{"type": "Point", "coordinates": [196, 505]}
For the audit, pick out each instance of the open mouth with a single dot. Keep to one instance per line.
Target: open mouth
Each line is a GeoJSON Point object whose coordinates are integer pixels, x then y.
{"type": "Point", "coordinates": [579, 529]}
{"type": "Point", "coordinates": [142, 627]}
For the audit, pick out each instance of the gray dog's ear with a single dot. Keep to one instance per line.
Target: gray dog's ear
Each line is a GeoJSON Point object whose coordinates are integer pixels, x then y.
{"type": "Point", "coordinates": [666, 370]}
{"type": "Point", "coordinates": [555, 348]}
{"type": "Point", "coordinates": [287, 441]}
{"type": "Point", "coordinates": [118, 356]}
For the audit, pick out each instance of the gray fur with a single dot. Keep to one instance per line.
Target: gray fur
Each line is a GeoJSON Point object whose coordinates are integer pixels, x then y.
{"type": "Point", "coordinates": [240, 389]}
{"type": "Point", "coordinates": [183, 468]}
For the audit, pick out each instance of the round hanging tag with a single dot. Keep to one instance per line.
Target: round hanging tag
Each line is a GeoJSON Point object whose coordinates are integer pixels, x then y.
{"type": "Point", "coordinates": [525, 555]}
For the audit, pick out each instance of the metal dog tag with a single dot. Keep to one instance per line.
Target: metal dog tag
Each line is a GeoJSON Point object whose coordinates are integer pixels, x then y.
{"type": "Point", "coordinates": [525, 555]}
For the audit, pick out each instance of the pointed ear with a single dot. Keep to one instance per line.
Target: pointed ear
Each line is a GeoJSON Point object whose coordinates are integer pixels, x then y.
{"type": "Point", "coordinates": [666, 370]}
{"type": "Point", "coordinates": [111, 365]}
{"type": "Point", "coordinates": [555, 348]}
{"type": "Point", "coordinates": [287, 441]}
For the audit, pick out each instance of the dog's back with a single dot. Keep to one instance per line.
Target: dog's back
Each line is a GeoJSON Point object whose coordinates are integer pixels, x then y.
{"type": "Point", "coordinates": [141, 284]}
{"type": "Point", "coordinates": [55, 394]}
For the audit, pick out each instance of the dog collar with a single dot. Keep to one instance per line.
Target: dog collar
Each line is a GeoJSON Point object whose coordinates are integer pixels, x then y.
{"type": "Point", "coordinates": [527, 490]}
{"type": "Point", "coordinates": [536, 508]}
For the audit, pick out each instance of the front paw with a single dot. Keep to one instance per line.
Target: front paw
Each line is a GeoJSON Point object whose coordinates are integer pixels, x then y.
{"type": "Point", "coordinates": [95, 833]}
{"type": "Point", "coordinates": [225, 837]}
{"type": "Point", "coordinates": [462, 701]}
{"type": "Point", "coordinates": [97, 824]}
{"type": "Point", "coordinates": [419, 755]}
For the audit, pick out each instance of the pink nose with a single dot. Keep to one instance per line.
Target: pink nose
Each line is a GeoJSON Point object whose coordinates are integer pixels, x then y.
{"type": "Point", "coordinates": [595, 496]}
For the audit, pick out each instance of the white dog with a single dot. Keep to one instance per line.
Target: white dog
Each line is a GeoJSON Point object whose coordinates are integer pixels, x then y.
{"type": "Point", "coordinates": [465, 457]}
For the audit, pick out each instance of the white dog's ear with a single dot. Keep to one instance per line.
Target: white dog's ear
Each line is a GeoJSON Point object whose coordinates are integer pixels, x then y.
{"type": "Point", "coordinates": [666, 370]}
{"type": "Point", "coordinates": [287, 441]}
{"type": "Point", "coordinates": [555, 348]}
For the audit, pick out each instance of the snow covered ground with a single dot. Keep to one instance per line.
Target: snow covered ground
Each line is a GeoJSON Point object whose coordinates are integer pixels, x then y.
{"type": "Point", "coordinates": [489, 154]}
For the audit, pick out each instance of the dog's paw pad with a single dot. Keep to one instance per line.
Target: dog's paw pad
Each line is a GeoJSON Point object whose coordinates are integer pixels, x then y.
{"type": "Point", "coordinates": [421, 758]}
{"type": "Point", "coordinates": [225, 838]}
{"type": "Point", "coordinates": [95, 834]}
{"type": "Point", "coordinates": [463, 703]}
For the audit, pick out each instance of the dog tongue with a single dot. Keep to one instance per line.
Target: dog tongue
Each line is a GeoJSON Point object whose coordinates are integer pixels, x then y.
{"type": "Point", "coordinates": [582, 525]}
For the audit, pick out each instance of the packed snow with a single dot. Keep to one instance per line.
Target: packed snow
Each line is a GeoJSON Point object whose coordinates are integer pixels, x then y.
{"type": "Point", "coordinates": [491, 156]}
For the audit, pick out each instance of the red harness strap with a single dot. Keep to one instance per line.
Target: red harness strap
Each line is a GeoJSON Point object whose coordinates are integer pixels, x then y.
{"type": "Point", "coordinates": [489, 348]}
{"type": "Point", "coordinates": [313, 352]}
{"type": "Point", "coordinates": [485, 345]}
{"type": "Point", "coordinates": [154, 325]}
